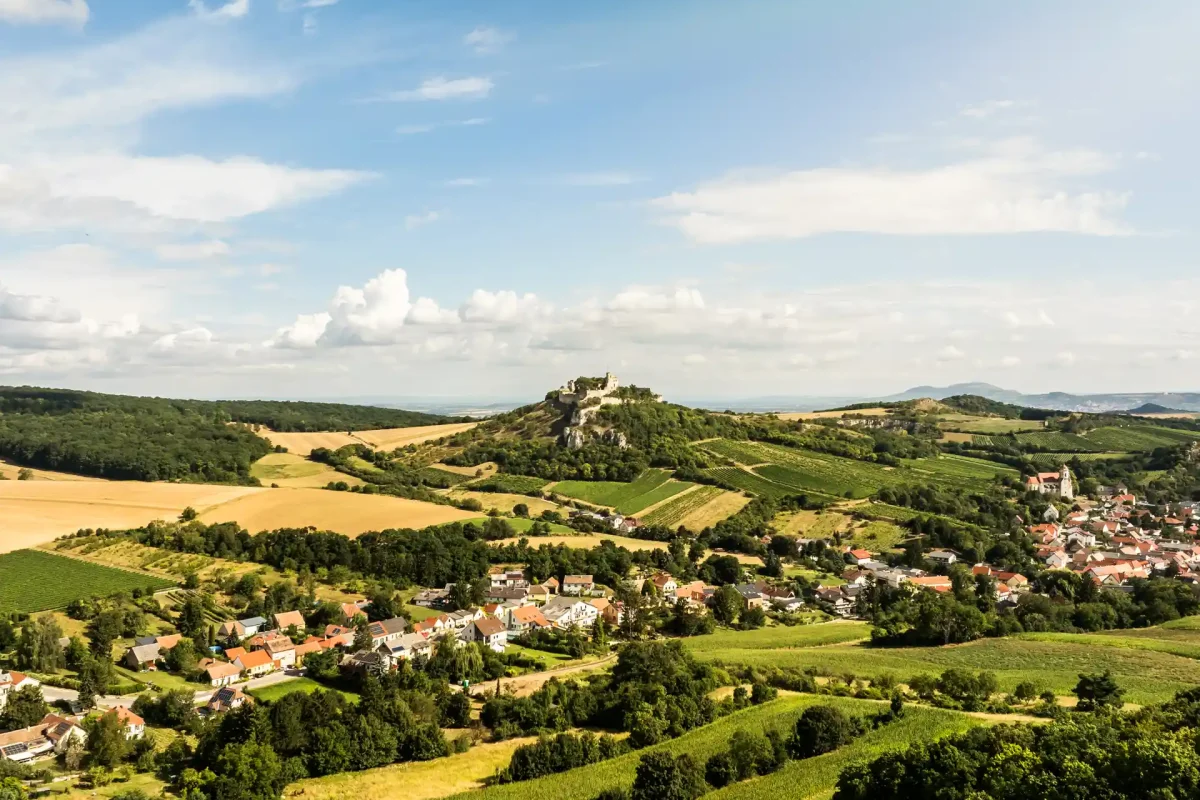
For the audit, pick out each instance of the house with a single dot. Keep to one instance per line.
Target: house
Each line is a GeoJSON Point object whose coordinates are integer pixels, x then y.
{"type": "Point", "coordinates": [282, 651]}
{"type": "Point", "coordinates": [540, 593]}
{"type": "Point", "coordinates": [842, 605]}
{"type": "Point", "coordinates": [488, 630]}
{"type": "Point", "coordinates": [387, 630]}
{"type": "Point", "coordinates": [1058, 484]}
{"type": "Point", "coordinates": [943, 557]}
{"type": "Point", "coordinates": [551, 584]}
{"type": "Point", "coordinates": [221, 674]}
{"type": "Point", "coordinates": [50, 736]}
{"type": "Point", "coordinates": [459, 620]}
{"type": "Point", "coordinates": [313, 645]}
{"type": "Point", "coordinates": [526, 618]}
{"type": "Point", "coordinates": [787, 603]}
{"type": "Point", "coordinates": [289, 619]}
{"type": "Point", "coordinates": [369, 662]}
{"type": "Point", "coordinates": [430, 598]}
{"type": "Point", "coordinates": [135, 726]}
{"type": "Point", "coordinates": [502, 594]}
{"type": "Point", "coordinates": [751, 596]}
{"type": "Point", "coordinates": [566, 612]}
{"type": "Point", "coordinates": [509, 580]}
{"type": "Point", "coordinates": [937, 583]}
{"type": "Point", "coordinates": [226, 699]}
{"type": "Point", "coordinates": [231, 630]}
{"type": "Point", "coordinates": [234, 653]}
{"type": "Point", "coordinates": [255, 663]}
{"type": "Point", "coordinates": [142, 657]}
{"type": "Point", "coordinates": [11, 682]}
{"type": "Point", "coordinates": [856, 577]}
{"type": "Point", "coordinates": [166, 643]}
{"type": "Point", "coordinates": [410, 645]}
{"type": "Point", "coordinates": [352, 611]}
{"type": "Point", "coordinates": [578, 584]}
{"type": "Point", "coordinates": [252, 625]}
{"type": "Point", "coordinates": [861, 557]}
{"type": "Point", "coordinates": [665, 584]}
{"type": "Point", "coordinates": [340, 635]}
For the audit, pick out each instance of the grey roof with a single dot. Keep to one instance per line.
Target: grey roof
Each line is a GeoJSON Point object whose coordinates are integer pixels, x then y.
{"type": "Point", "coordinates": [388, 627]}
{"type": "Point", "coordinates": [141, 640]}
{"type": "Point", "coordinates": [253, 622]}
{"type": "Point", "coordinates": [145, 653]}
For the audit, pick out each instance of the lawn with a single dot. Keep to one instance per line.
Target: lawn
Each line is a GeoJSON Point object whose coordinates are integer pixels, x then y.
{"type": "Point", "coordinates": [1148, 676]}
{"type": "Point", "coordinates": [33, 580]}
{"type": "Point", "coordinates": [587, 782]}
{"type": "Point", "coordinates": [652, 486]}
{"type": "Point", "coordinates": [551, 660]}
{"type": "Point", "coordinates": [143, 781]}
{"type": "Point", "coordinates": [268, 694]}
{"type": "Point", "coordinates": [167, 681]}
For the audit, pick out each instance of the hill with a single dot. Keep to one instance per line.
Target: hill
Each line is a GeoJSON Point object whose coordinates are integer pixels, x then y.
{"type": "Point", "coordinates": [153, 439]}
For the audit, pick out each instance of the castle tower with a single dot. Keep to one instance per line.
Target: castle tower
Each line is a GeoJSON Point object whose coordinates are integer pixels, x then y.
{"type": "Point", "coordinates": [1066, 487]}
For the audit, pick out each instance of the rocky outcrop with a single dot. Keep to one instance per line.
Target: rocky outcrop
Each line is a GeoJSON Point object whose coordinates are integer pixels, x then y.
{"type": "Point", "coordinates": [613, 436]}
{"type": "Point", "coordinates": [572, 438]}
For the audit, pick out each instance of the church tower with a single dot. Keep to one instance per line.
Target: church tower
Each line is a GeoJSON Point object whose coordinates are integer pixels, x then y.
{"type": "Point", "coordinates": [1066, 486]}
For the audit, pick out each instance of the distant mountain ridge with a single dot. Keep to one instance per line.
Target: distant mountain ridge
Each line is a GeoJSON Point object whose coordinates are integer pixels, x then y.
{"type": "Point", "coordinates": [1064, 401]}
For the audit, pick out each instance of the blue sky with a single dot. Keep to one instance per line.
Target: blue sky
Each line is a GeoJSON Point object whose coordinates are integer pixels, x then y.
{"type": "Point", "coordinates": [325, 198]}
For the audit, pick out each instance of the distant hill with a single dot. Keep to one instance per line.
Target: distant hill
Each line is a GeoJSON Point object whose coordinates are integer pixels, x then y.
{"type": "Point", "coordinates": [1062, 401]}
{"type": "Point", "coordinates": [1154, 408]}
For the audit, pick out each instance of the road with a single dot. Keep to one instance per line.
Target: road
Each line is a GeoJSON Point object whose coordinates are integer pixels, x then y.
{"type": "Point", "coordinates": [108, 701]}
{"type": "Point", "coordinates": [528, 684]}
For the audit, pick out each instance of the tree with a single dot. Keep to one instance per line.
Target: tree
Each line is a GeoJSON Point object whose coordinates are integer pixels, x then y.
{"type": "Point", "coordinates": [521, 510]}
{"type": "Point", "coordinates": [820, 729]}
{"type": "Point", "coordinates": [104, 629]}
{"type": "Point", "coordinates": [662, 776]}
{"type": "Point", "coordinates": [182, 657]}
{"type": "Point", "coordinates": [25, 707]}
{"type": "Point", "coordinates": [24, 474]}
{"type": "Point", "coordinates": [188, 514]}
{"type": "Point", "coordinates": [38, 649]}
{"type": "Point", "coordinates": [250, 771]}
{"type": "Point", "coordinates": [12, 789]}
{"type": "Point", "coordinates": [8, 634]}
{"type": "Point", "coordinates": [1098, 690]}
{"type": "Point", "coordinates": [726, 605]}
{"type": "Point", "coordinates": [192, 622]}
{"type": "Point", "coordinates": [106, 742]}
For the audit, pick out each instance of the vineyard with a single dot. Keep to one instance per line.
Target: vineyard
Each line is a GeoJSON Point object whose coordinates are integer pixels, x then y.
{"type": "Point", "coordinates": [1139, 438]}
{"type": "Point", "coordinates": [986, 425]}
{"type": "Point", "coordinates": [510, 484]}
{"type": "Point", "coordinates": [1056, 460]}
{"type": "Point", "coordinates": [1058, 441]}
{"type": "Point", "coordinates": [670, 514]}
{"type": "Point", "coordinates": [652, 486]}
{"type": "Point", "coordinates": [31, 580]}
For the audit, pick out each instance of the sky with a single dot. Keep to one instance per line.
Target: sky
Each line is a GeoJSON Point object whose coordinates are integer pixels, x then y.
{"type": "Point", "coordinates": [359, 198]}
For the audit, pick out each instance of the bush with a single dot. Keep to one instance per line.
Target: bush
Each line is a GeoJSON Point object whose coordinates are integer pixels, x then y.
{"type": "Point", "coordinates": [820, 729]}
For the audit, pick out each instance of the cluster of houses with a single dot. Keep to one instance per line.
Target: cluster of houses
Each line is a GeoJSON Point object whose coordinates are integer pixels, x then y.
{"type": "Point", "coordinates": [619, 523]}
{"type": "Point", "coordinates": [55, 733]}
{"type": "Point", "coordinates": [1118, 538]}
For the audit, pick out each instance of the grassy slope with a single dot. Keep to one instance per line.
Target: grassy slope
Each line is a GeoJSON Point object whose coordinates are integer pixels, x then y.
{"type": "Point", "coordinates": [587, 782]}
{"type": "Point", "coordinates": [652, 486]}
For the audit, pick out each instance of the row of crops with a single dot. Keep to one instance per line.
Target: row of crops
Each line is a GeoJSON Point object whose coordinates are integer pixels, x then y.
{"type": "Point", "coordinates": [651, 487]}
{"type": "Point", "coordinates": [1111, 439]}
{"type": "Point", "coordinates": [673, 512]}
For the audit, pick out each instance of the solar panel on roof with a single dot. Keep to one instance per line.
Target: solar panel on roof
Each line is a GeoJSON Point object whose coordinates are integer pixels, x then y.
{"type": "Point", "coordinates": [14, 749]}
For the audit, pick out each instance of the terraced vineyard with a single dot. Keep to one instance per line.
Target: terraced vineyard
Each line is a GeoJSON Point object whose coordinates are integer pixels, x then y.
{"type": "Point", "coordinates": [1056, 460]}
{"type": "Point", "coordinates": [806, 471]}
{"type": "Point", "coordinates": [1058, 441]}
{"type": "Point", "coordinates": [1139, 438]}
{"type": "Point", "coordinates": [748, 482]}
{"type": "Point", "coordinates": [652, 486]}
{"type": "Point", "coordinates": [671, 513]}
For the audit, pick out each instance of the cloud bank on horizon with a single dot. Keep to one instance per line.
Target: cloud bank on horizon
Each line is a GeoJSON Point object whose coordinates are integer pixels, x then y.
{"type": "Point", "coordinates": [309, 198]}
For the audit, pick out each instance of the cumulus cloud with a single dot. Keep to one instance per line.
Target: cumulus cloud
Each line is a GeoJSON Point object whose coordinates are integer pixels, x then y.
{"type": "Point", "coordinates": [34, 308]}
{"type": "Point", "coordinates": [443, 88]}
{"type": "Point", "coordinates": [235, 9]}
{"type": "Point", "coordinates": [650, 299]}
{"type": "Point", "coordinates": [487, 41]}
{"type": "Point", "coordinates": [501, 307]}
{"type": "Point", "coordinates": [1013, 187]}
{"type": "Point", "coordinates": [70, 12]}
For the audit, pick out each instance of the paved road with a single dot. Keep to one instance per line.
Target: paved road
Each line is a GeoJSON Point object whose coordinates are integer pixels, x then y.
{"type": "Point", "coordinates": [105, 702]}
{"type": "Point", "coordinates": [528, 684]}
{"type": "Point", "coordinates": [205, 695]}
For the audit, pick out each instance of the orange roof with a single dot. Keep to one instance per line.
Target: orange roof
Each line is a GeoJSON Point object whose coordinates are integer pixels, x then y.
{"type": "Point", "coordinates": [234, 653]}
{"type": "Point", "coordinates": [289, 618]}
{"type": "Point", "coordinates": [167, 642]}
{"type": "Point", "coordinates": [313, 646]}
{"type": "Point", "coordinates": [861, 553]}
{"type": "Point", "coordinates": [350, 611]}
{"type": "Point", "coordinates": [219, 669]}
{"type": "Point", "coordinates": [529, 615]}
{"type": "Point", "coordinates": [256, 658]}
{"type": "Point", "coordinates": [127, 717]}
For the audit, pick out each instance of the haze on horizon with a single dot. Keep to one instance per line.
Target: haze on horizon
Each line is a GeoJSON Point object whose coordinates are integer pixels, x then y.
{"type": "Point", "coordinates": [281, 198]}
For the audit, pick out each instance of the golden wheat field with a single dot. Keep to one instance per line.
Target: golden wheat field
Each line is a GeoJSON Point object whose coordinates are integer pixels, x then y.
{"type": "Point", "coordinates": [343, 512]}
{"type": "Point", "coordinates": [505, 502]}
{"type": "Point", "coordinates": [383, 439]}
{"type": "Point", "coordinates": [586, 541]}
{"type": "Point", "coordinates": [10, 471]}
{"type": "Point", "coordinates": [38, 511]}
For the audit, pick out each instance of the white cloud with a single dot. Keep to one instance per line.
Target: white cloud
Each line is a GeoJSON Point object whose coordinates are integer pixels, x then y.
{"type": "Point", "coordinates": [694, 359]}
{"type": "Point", "coordinates": [235, 9]}
{"type": "Point", "coordinates": [124, 192]}
{"type": "Point", "coordinates": [34, 308]}
{"type": "Point", "coordinates": [442, 88]}
{"type": "Point", "coordinates": [1014, 187]}
{"type": "Point", "coordinates": [414, 221]}
{"type": "Point", "coordinates": [649, 299]}
{"type": "Point", "coordinates": [426, 127]}
{"type": "Point", "coordinates": [486, 41]}
{"type": "Point", "coordinates": [305, 332]}
{"type": "Point", "coordinates": [192, 251]}
{"type": "Point", "coordinates": [601, 179]}
{"type": "Point", "coordinates": [983, 110]}
{"type": "Point", "coordinates": [70, 12]}
{"type": "Point", "coordinates": [950, 353]}
{"type": "Point", "coordinates": [501, 307]}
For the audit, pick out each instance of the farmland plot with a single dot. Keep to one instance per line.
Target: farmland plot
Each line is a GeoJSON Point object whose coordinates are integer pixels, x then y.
{"type": "Point", "coordinates": [1139, 438]}
{"type": "Point", "coordinates": [32, 580]}
{"type": "Point", "coordinates": [652, 486]}
{"type": "Point", "coordinates": [681, 505]}
{"type": "Point", "coordinates": [1056, 440]}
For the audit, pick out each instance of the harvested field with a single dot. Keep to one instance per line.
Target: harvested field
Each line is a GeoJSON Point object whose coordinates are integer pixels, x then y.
{"type": "Point", "coordinates": [721, 507]}
{"type": "Point", "coordinates": [296, 472]}
{"type": "Point", "coordinates": [10, 470]}
{"type": "Point", "coordinates": [32, 512]}
{"type": "Point", "coordinates": [695, 509]}
{"type": "Point", "coordinates": [342, 512]}
{"type": "Point", "coordinates": [382, 439]}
